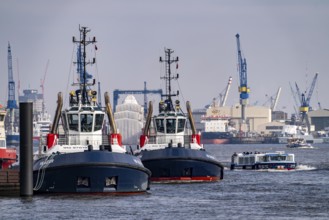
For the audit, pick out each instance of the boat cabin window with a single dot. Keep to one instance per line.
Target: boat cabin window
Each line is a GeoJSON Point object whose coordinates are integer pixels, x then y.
{"type": "Point", "coordinates": [159, 125]}
{"type": "Point", "coordinates": [86, 121]}
{"type": "Point", "coordinates": [73, 120]}
{"type": "Point", "coordinates": [278, 158]}
{"type": "Point", "coordinates": [99, 122]}
{"type": "Point", "coordinates": [181, 124]}
{"type": "Point", "coordinates": [171, 125]}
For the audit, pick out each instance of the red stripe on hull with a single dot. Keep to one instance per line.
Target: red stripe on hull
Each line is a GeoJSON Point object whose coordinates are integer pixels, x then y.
{"type": "Point", "coordinates": [184, 179]}
{"type": "Point", "coordinates": [215, 141]}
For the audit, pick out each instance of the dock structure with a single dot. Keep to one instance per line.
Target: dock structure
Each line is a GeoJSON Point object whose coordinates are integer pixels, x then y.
{"type": "Point", "coordinates": [9, 183]}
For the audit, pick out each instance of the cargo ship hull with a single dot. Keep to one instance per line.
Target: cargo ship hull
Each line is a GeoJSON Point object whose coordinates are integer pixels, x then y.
{"type": "Point", "coordinates": [215, 137]}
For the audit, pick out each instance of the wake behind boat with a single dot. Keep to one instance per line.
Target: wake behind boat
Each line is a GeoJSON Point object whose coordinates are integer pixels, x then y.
{"type": "Point", "coordinates": [84, 157]}
{"type": "Point", "coordinates": [173, 152]}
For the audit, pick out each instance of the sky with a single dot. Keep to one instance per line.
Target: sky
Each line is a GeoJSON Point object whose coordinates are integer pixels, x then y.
{"type": "Point", "coordinates": [283, 41]}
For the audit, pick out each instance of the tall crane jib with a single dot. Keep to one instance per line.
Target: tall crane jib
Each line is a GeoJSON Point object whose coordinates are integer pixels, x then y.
{"type": "Point", "coordinates": [243, 88]}
{"type": "Point", "coordinates": [11, 102]}
{"type": "Point", "coordinates": [305, 101]}
{"type": "Point", "coordinates": [227, 89]}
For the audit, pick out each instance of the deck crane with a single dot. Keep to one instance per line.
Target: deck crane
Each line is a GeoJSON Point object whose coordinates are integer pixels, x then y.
{"type": "Point", "coordinates": [243, 88]}
{"type": "Point", "coordinates": [11, 102]}
{"type": "Point", "coordinates": [276, 99]}
{"type": "Point", "coordinates": [223, 98]}
{"type": "Point", "coordinates": [273, 100]}
{"type": "Point", "coordinates": [305, 102]}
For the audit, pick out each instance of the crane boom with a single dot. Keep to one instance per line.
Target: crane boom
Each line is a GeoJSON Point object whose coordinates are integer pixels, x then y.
{"type": "Point", "coordinates": [243, 88]}
{"type": "Point", "coordinates": [223, 100]}
{"type": "Point", "coordinates": [299, 94]}
{"type": "Point", "coordinates": [294, 95]}
{"type": "Point", "coordinates": [275, 103]}
{"type": "Point", "coordinates": [311, 89]}
{"type": "Point", "coordinates": [11, 103]}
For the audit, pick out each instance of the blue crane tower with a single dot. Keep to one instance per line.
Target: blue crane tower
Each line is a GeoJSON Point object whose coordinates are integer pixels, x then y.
{"type": "Point", "coordinates": [117, 93]}
{"type": "Point", "coordinates": [11, 102]}
{"type": "Point", "coordinates": [243, 88]}
{"type": "Point", "coordinates": [305, 102]}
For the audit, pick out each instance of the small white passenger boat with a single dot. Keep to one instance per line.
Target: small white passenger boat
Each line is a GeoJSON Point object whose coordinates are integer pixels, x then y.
{"type": "Point", "coordinates": [298, 143]}
{"type": "Point", "coordinates": [276, 160]}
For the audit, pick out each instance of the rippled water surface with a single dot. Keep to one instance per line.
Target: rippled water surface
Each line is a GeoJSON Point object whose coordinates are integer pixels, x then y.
{"type": "Point", "coordinates": [246, 194]}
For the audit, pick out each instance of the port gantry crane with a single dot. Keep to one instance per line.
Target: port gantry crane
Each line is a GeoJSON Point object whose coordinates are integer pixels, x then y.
{"type": "Point", "coordinates": [305, 102]}
{"type": "Point", "coordinates": [243, 88]}
{"type": "Point", "coordinates": [11, 102]}
{"type": "Point", "coordinates": [145, 92]}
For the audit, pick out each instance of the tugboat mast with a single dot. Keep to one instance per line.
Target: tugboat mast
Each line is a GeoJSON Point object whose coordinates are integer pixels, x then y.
{"type": "Point", "coordinates": [168, 77]}
{"type": "Point", "coordinates": [83, 42]}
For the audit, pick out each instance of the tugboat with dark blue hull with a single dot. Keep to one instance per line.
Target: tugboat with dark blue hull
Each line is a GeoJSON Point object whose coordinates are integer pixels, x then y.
{"type": "Point", "coordinates": [83, 157]}
{"type": "Point", "coordinates": [172, 149]}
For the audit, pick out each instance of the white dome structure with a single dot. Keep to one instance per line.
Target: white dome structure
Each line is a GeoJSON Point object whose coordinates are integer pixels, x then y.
{"type": "Point", "coordinates": [129, 120]}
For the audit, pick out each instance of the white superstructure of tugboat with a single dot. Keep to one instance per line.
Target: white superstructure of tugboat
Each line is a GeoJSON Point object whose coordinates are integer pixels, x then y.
{"type": "Point", "coordinates": [169, 149]}
{"type": "Point", "coordinates": [278, 160]}
{"type": "Point", "coordinates": [84, 157]}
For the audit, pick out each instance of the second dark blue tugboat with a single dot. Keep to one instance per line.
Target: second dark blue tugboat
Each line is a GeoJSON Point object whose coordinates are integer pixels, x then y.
{"type": "Point", "coordinates": [82, 157]}
{"type": "Point", "coordinates": [173, 151]}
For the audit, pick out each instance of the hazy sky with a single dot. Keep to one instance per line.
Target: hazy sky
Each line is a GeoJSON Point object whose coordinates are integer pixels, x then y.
{"type": "Point", "coordinates": [283, 41]}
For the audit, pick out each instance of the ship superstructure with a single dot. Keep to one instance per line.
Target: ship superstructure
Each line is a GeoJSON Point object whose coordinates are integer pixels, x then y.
{"type": "Point", "coordinates": [173, 152]}
{"type": "Point", "coordinates": [84, 157]}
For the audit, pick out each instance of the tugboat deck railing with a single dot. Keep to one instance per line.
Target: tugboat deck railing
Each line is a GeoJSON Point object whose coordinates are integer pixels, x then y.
{"type": "Point", "coordinates": [81, 139]}
{"type": "Point", "coordinates": [184, 140]}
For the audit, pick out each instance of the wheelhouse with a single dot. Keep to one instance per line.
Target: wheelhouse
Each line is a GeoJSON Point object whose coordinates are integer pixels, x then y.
{"type": "Point", "coordinates": [84, 120]}
{"type": "Point", "coordinates": [170, 124]}
{"type": "Point", "coordinates": [83, 125]}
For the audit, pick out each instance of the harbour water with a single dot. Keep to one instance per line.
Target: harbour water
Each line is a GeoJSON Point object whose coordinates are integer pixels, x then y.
{"type": "Point", "coordinates": [242, 194]}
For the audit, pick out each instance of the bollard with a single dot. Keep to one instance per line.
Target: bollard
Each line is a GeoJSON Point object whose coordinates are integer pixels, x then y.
{"type": "Point", "coordinates": [26, 148]}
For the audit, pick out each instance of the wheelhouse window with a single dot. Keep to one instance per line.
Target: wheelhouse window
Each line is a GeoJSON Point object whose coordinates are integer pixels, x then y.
{"type": "Point", "coordinates": [99, 122]}
{"type": "Point", "coordinates": [86, 121]}
{"type": "Point", "coordinates": [73, 120]}
{"type": "Point", "coordinates": [171, 125]}
{"type": "Point", "coordinates": [181, 125]}
{"type": "Point", "coordinates": [159, 125]}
